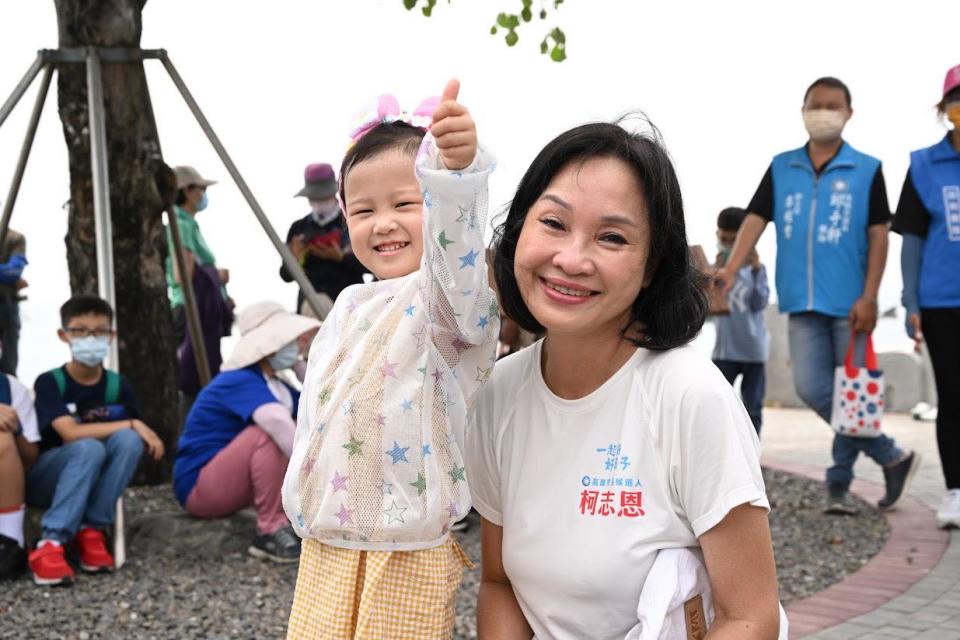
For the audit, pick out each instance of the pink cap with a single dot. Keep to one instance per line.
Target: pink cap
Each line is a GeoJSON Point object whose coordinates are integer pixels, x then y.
{"type": "Point", "coordinates": [952, 80]}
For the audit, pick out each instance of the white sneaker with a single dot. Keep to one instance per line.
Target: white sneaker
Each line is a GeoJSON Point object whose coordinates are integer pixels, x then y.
{"type": "Point", "coordinates": [948, 515]}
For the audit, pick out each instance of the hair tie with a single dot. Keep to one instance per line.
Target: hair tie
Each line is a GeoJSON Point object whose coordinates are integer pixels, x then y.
{"type": "Point", "coordinates": [387, 109]}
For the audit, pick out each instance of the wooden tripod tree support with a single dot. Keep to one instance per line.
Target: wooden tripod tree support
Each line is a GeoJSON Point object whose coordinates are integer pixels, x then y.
{"type": "Point", "coordinates": [93, 58]}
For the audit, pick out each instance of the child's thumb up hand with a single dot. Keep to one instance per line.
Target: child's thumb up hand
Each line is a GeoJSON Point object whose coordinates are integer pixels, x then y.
{"type": "Point", "coordinates": [454, 130]}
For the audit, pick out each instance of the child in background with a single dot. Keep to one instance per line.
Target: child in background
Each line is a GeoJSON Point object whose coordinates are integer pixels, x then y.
{"type": "Point", "coordinates": [377, 477]}
{"type": "Point", "coordinates": [18, 451]}
{"type": "Point", "coordinates": [743, 343]}
{"type": "Point", "coordinates": [91, 440]}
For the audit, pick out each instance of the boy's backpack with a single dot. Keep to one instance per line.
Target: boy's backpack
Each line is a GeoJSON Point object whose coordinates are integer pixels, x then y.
{"type": "Point", "coordinates": [111, 394]}
{"type": "Point", "coordinates": [6, 397]}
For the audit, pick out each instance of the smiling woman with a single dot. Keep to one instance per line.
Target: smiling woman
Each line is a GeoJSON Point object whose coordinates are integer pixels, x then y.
{"type": "Point", "coordinates": [611, 450]}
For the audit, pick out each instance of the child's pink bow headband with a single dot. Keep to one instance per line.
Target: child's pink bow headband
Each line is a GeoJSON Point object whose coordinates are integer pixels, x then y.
{"type": "Point", "coordinates": [387, 109]}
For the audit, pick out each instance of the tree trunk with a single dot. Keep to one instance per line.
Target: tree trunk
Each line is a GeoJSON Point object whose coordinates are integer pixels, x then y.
{"type": "Point", "coordinates": [141, 186]}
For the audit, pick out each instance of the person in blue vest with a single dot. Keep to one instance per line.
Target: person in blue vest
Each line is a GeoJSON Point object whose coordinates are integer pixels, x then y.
{"type": "Point", "coordinates": [91, 440]}
{"type": "Point", "coordinates": [928, 218]}
{"type": "Point", "coordinates": [828, 202]}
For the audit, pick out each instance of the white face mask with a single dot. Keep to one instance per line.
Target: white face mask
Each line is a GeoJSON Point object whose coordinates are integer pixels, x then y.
{"type": "Point", "coordinates": [286, 357]}
{"type": "Point", "coordinates": [823, 125]}
{"type": "Point", "coordinates": [324, 212]}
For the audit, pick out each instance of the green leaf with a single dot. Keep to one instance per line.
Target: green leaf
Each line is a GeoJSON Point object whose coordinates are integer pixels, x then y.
{"type": "Point", "coordinates": [512, 38]}
{"type": "Point", "coordinates": [493, 30]}
{"type": "Point", "coordinates": [543, 14]}
{"type": "Point", "coordinates": [558, 54]}
{"type": "Point", "coordinates": [409, 4]}
{"type": "Point", "coordinates": [544, 47]}
{"type": "Point", "coordinates": [558, 36]}
{"type": "Point", "coordinates": [503, 20]}
{"type": "Point", "coordinates": [526, 14]}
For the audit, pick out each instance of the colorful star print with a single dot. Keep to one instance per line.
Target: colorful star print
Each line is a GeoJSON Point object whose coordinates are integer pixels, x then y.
{"type": "Point", "coordinates": [395, 513]}
{"type": "Point", "coordinates": [483, 322]}
{"type": "Point", "coordinates": [386, 488]}
{"type": "Point", "coordinates": [426, 450]}
{"type": "Point", "coordinates": [406, 405]}
{"type": "Point", "coordinates": [409, 310]}
{"type": "Point", "coordinates": [420, 484]}
{"type": "Point", "coordinates": [483, 374]}
{"type": "Point", "coordinates": [469, 260]}
{"type": "Point", "coordinates": [389, 369]}
{"type": "Point", "coordinates": [339, 482]}
{"type": "Point", "coordinates": [420, 335]}
{"type": "Point", "coordinates": [325, 395]}
{"type": "Point", "coordinates": [459, 345]}
{"type": "Point", "coordinates": [344, 515]}
{"type": "Point", "coordinates": [347, 407]}
{"type": "Point", "coordinates": [437, 375]}
{"type": "Point", "coordinates": [468, 215]}
{"type": "Point", "coordinates": [381, 420]}
{"type": "Point", "coordinates": [453, 510]}
{"type": "Point", "coordinates": [353, 447]}
{"type": "Point", "coordinates": [398, 453]}
{"type": "Point", "coordinates": [442, 239]}
{"type": "Point", "coordinates": [457, 474]}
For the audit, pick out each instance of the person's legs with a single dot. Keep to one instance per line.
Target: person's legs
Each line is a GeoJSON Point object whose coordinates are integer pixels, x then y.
{"type": "Point", "coordinates": [729, 369]}
{"type": "Point", "coordinates": [10, 326]}
{"type": "Point", "coordinates": [247, 471]}
{"type": "Point", "coordinates": [941, 330]}
{"type": "Point", "coordinates": [123, 451]}
{"type": "Point", "coordinates": [12, 555]}
{"type": "Point", "coordinates": [61, 481]}
{"type": "Point", "coordinates": [812, 355]}
{"type": "Point", "coordinates": [753, 388]}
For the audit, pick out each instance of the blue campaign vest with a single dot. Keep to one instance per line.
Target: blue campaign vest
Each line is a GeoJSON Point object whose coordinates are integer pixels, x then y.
{"type": "Point", "coordinates": [821, 224]}
{"type": "Point", "coordinates": [935, 172]}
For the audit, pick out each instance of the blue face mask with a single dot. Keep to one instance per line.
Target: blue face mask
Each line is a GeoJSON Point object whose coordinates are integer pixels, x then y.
{"type": "Point", "coordinates": [90, 350]}
{"type": "Point", "coordinates": [285, 357]}
{"type": "Point", "coordinates": [203, 202]}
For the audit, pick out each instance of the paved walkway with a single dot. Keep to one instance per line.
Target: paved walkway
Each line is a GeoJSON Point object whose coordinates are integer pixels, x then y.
{"type": "Point", "coordinates": [930, 608]}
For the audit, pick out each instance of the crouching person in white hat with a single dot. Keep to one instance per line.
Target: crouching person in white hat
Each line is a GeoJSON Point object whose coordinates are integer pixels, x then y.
{"type": "Point", "coordinates": [236, 442]}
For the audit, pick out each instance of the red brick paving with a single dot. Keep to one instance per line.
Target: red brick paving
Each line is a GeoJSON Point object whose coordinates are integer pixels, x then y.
{"type": "Point", "coordinates": [914, 547]}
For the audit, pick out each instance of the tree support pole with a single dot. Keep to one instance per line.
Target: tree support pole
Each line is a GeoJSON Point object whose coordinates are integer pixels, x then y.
{"type": "Point", "coordinates": [189, 301]}
{"type": "Point", "coordinates": [289, 261]}
{"type": "Point", "coordinates": [21, 88]}
{"type": "Point", "coordinates": [25, 152]}
{"type": "Point", "coordinates": [104, 234]}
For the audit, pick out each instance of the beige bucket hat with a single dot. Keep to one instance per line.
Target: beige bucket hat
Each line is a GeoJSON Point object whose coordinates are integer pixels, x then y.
{"type": "Point", "coordinates": [265, 328]}
{"type": "Point", "coordinates": [187, 176]}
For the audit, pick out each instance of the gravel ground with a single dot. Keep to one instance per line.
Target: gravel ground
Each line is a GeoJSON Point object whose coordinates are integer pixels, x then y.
{"type": "Point", "coordinates": [163, 592]}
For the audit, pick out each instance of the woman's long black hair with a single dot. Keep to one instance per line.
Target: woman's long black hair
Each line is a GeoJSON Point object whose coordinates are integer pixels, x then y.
{"type": "Point", "coordinates": [672, 308]}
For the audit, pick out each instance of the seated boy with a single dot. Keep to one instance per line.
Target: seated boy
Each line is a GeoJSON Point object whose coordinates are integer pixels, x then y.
{"type": "Point", "coordinates": [90, 443]}
{"type": "Point", "coordinates": [18, 450]}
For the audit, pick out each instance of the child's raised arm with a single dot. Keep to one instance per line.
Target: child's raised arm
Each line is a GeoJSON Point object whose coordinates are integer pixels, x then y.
{"type": "Point", "coordinates": [453, 174]}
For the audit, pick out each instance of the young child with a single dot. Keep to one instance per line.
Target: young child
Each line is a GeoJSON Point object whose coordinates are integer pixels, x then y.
{"type": "Point", "coordinates": [377, 476]}
{"type": "Point", "coordinates": [18, 450]}
{"type": "Point", "coordinates": [90, 443]}
{"type": "Point", "coordinates": [743, 343]}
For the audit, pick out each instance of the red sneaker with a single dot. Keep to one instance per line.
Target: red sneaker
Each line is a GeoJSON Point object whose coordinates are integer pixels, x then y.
{"type": "Point", "coordinates": [92, 549]}
{"type": "Point", "coordinates": [48, 564]}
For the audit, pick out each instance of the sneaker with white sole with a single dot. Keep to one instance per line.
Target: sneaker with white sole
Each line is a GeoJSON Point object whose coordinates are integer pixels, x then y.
{"type": "Point", "coordinates": [948, 515]}
{"type": "Point", "coordinates": [282, 546]}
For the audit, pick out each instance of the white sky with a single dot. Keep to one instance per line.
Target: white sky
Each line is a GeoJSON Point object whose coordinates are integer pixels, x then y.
{"type": "Point", "coordinates": [281, 83]}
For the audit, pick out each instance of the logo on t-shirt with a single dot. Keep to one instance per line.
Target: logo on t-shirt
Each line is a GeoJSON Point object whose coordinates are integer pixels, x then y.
{"type": "Point", "coordinates": [612, 492]}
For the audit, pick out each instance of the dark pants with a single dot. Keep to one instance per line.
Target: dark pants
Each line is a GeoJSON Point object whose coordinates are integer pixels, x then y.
{"type": "Point", "coordinates": [753, 386]}
{"type": "Point", "coordinates": [10, 334]}
{"type": "Point", "coordinates": [941, 330]}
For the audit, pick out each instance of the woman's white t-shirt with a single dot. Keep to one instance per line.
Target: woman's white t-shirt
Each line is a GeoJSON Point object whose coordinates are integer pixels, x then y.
{"type": "Point", "coordinates": [587, 491]}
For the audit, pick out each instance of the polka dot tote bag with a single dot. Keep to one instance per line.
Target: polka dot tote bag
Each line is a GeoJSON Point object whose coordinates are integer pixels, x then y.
{"type": "Point", "coordinates": [858, 395]}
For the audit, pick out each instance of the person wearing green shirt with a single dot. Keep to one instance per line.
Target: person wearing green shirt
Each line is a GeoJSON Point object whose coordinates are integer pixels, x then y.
{"type": "Point", "coordinates": [209, 281]}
